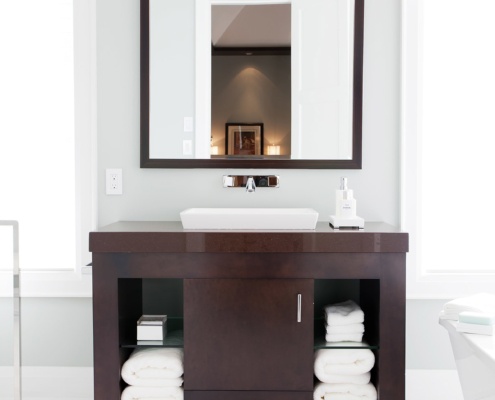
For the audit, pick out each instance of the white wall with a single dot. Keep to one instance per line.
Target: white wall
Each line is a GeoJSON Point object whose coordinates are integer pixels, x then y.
{"type": "Point", "coordinates": [171, 71]}
{"type": "Point", "coordinates": [161, 194]}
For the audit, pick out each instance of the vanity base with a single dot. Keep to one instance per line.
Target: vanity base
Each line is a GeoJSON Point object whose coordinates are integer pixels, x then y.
{"type": "Point", "coordinates": [255, 295]}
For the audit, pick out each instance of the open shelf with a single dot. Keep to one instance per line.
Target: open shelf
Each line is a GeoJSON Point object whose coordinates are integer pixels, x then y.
{"type": "Point", "coordinates": [151, 297]}
{"type": "Point", "coordinates": [364, 292]}
{"type": "Point", "coordinates": [173, 339]}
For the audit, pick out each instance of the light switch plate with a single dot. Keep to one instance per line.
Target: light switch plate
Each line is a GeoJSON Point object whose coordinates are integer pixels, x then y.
{"type": "Point", "coordinates": [187, 147]}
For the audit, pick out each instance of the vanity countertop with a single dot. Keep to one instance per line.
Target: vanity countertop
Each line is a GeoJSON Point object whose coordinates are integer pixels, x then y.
{"type": "Point", "coordinates": [170, 237]}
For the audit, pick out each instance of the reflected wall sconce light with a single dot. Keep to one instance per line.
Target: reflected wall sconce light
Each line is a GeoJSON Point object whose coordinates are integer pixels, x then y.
{"type": "Point", "coordinates": [273, 150]}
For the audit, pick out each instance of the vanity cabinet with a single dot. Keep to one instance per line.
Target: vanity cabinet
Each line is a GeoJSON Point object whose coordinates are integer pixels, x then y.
{"type": "Point", "coordinates": [251, 331]}
{"type": "Point", "coordinates": [249, 304]}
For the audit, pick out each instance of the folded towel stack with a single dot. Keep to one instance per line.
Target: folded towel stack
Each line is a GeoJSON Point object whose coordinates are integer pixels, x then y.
{"type": "Point", "coordinates": [475, 322]}
{"type": "Point", "coordinates": [154, 373]}
{"type": "Point", "coordinates": [475, 314]}
{"type": "Point", "coordinates": [344, 374]}
{"type": "Point", "coordinates": [344, 322]}
{"type": "Point", "coordinates": [479, 303]}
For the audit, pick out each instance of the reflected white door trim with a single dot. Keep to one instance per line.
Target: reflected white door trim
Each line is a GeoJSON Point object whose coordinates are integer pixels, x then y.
{"type": "Point", "coordinates": [322, 78]}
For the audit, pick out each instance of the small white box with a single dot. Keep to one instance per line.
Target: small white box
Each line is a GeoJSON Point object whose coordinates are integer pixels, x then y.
{"type": "Point", "coordinates": [152, 327]}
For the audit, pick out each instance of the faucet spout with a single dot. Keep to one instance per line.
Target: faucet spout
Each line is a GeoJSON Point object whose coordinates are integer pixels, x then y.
{"type": "Point", "coordinates": [250, 185]}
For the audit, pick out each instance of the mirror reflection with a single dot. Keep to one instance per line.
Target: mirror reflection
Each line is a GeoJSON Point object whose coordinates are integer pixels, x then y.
{"type": "Point", "coordinates": [258, 85]}
{"type": "Point", "coordinates": [251, 80]}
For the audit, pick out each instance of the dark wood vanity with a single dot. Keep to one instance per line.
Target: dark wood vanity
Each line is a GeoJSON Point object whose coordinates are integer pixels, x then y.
{"type": "Point", "coordinates": [234, 295]}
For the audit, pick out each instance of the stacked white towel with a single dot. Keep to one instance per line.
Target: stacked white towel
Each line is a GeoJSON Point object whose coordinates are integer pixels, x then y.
{"type": "Point", "coordinates": [344, 365]}
{"type": "Point", "coordinates": [344, 391]}
{"type": "Point", "coordinates": [152, 392]}
{"type": "Point", "coordinates": [480, 302]}
{"type": "Point", "coordinates": [153, 373]}
{"type": "Point", "coordinates": [344, 374]}
{"type": "Point", "coordinates": [344, 322]}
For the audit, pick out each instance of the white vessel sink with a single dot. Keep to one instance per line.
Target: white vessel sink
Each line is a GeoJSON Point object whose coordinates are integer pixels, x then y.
{"type": "Point", "coordinates": [249, 218]}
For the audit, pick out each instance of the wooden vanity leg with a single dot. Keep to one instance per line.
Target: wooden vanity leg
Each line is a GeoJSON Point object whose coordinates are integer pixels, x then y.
{"type": "Point", "coordinates": [106, 357]}
{"type": "Point", "coordinates": [391, 359]}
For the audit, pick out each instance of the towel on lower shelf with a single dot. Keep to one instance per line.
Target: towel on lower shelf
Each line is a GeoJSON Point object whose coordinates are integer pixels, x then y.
{"type": "Point", "coordinates": [481, 302]}
{"type": "Point", "coordinates": [152, 393]}
{"type": "Point", "coordinates": [154, 366]}
{"type": "Point", "coordinates": [345, 313]}
{"type": "Point", "coordinates": [344, 391]}
{"type": "Point", "coordinates": [360, 379]}
{"type": "Point", "coordinates": [329, 362]}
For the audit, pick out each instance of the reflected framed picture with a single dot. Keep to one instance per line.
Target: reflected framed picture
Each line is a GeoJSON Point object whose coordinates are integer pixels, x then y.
{"type": "Point", "coordinates": [243, 139]}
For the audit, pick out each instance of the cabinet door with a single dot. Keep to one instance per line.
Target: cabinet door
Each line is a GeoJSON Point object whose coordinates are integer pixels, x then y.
{"type": "Point", "coordinates": [245, 334]}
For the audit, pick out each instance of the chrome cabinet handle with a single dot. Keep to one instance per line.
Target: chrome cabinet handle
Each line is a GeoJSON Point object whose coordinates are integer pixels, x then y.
{"type": "Point", "coordinates": [299, 300]}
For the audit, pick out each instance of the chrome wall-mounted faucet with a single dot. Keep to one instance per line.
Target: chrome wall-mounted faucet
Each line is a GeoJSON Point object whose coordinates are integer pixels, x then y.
{"type": "Point", "coordinates": [251, 182]}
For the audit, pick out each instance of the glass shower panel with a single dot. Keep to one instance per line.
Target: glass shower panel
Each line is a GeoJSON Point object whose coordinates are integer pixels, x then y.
{"type": "Point", "coordinates": [10, 344]}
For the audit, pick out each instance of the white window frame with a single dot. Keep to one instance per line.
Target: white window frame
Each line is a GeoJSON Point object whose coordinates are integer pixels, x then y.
{"type": "Point", "coordinates": [421, 283]}
{"type": "Point", "coordinates": [77, 282]}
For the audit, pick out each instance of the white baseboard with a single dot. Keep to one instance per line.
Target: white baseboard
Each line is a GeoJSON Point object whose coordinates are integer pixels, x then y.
{"type": "Point", "coordinates": [74, 383]}
{"type": "Point", "coordinates": [49, 383]}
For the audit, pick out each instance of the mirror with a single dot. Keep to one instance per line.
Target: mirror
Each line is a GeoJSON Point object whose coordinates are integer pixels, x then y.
{"type": "Point", "coordinates": [178, 126]}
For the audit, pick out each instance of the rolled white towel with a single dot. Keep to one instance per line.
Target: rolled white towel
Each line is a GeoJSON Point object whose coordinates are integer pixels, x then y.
{"type": "Point", "coordinates": [361, 379]}
{"type": "Point", "coordinates": [154, 366]}
{"type": "Point", "coordinates": [480, 302]}
{"type": "Point", "coordinates": [152, 393]}
{"type": "Point", "coordinates": [344, 337]}
{"type": "Point", "coordinates": [344, 391]}
{"type": "Point", "coordinates": [347, 312]}
{"type": "Point", "coordinates": [350, 328]}
{"type": "Point", "coordinates": [329, 362]}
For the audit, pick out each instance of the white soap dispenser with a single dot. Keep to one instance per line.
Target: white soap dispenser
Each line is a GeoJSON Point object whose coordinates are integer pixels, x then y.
{"type": "Point", "coordinates": [345, 202]}
{"type": "Point", "coordinates": [345, 209]}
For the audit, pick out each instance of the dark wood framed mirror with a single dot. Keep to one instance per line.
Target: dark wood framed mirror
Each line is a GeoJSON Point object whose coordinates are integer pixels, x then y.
{"type": "Point", "coordinates": [149, 159]}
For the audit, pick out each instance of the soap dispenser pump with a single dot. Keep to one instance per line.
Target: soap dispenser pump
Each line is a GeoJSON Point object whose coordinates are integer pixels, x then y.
{"type": "Point", "coordinates": [345, 209]}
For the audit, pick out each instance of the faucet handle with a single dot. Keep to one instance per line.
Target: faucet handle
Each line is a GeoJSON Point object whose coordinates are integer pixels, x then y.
{"type": "Point", "coordinates": [250, 185]}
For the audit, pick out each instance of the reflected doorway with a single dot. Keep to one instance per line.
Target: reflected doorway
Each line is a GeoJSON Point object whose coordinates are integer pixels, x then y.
{"type": "Point", "coordinates": [251, 76]}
